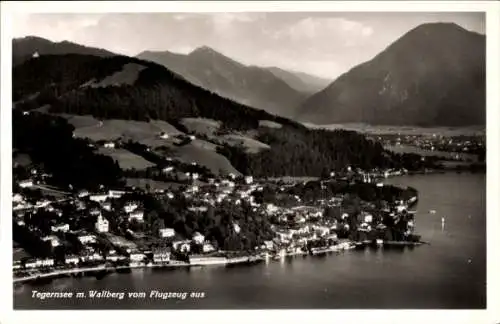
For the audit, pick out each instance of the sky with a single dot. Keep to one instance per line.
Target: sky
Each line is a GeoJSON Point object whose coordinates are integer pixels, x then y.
{"type": "Point", "coordinates": [325, 44]}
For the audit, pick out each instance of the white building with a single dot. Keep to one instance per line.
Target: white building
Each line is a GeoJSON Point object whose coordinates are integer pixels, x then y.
{"type": "Point", "coordinates": [115, 193]}
{"type": "Point", "coordinates": [182, 246]}
{"type": "Point", "coordinates": [368, 218]}
{"type": "Point", "coordinates": [106, 206]}
{"type": "Point", "coordinates": [208, 247]}
{"type": "Point", "coordinates": [198, 238]}
{"type": "Point", "coordinates": [248, 179]}
{"type": "Point", "coordinates": [71, 259]}
{"type": "Point", "coordinates": [102, 224]}
{"type": "Point", "coordinates": [36, 55]}
{"type": "Point", "coordinates": [17, 198]}
{"type": "Point", "coordinates": [168, 169]}
{"type": "Point", "coordinates": [137, 215]}
{"type": "Point", "coordinates": [164, 135]}
{"type": "Point", "coordinates": [161, 255]}
{"type": "Point", "coordinates": [236, 228]}
{"type": "Point", "coordinates": [83, 194]}
{"type": "Point", "coordinates": [99, 197]}
{"type": "Point", "coordinates": [109, 145]}
{"type": "Point", "coordinates": [137, 257]}
{"type": "Point", "coordinates": [130, 207]}
{"type": "Point", "coordinates": [87, 238]}
{"type": "Point", "coordinates": [26, 183]}
{"type": "Point", "coordinates": [60, 228]}
{"type": "Point", "coordinates": [52, 239]}
{"type": "Point", "coordinates": [192, 137]}
{"type": "Point", "coordinates": [167, 232]}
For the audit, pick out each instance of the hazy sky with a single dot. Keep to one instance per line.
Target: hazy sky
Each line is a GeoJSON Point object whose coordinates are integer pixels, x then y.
{"type": "Point", "coordinates": [325, 44]}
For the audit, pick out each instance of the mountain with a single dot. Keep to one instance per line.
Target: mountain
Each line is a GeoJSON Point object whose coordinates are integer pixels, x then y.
{"type": "Point", "coordinates": [249, 85]}
{"type": "Point", "coordinates": [24, 48]}
{"type": "Point", "coordinates": [434, 75]}
{"type": "Point", "coordinates": [128, 88]}
{"type": "Point", "coordinates": [301, 81]}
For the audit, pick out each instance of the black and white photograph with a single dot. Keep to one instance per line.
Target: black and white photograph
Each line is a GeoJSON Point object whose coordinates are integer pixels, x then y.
{"type": "Point", "coordinates": [240, 160]}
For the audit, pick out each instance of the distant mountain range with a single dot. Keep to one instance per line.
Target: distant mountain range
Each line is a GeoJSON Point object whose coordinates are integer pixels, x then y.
{"type": "Point", "coordinates": [301, 81]}
{"type": "Point", "coordinates": [434, 75]}
{"type": "Point", "coordinates": [272, 89]}
{"type": "Point", "coordinates": [24, 48]}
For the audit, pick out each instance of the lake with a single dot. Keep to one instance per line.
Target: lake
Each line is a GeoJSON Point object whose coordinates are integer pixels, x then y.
{"type": "Point", "coordinates": [450, 273]}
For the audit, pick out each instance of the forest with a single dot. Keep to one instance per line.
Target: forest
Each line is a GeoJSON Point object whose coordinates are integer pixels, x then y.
{"type": "Point", "coordinates": [49, 142]}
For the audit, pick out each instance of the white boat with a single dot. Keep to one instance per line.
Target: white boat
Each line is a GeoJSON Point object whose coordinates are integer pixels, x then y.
{"type": "Point", "coordinates": [432, 211]}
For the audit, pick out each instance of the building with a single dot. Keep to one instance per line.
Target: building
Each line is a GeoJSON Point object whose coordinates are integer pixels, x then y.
{"type": "Point", "coordinates": [248, 179]}
{"type": "Point", "coordinates": [206, 260]}
{"type": "Point", "coordinates": [198, 238]}
{"type": "Point", "coordinates": [17, 198]}
{"type": "Point", "coordinates": [72, 259]}
{"type": "Point", "coordinates": [109, 145]}
{"type": "Point", "coordinates": [208, 247]}
{"type": "Point", "coordinates": [52, 239]}
{"type": "Point", "coordinates": [115, 193]}
{"type": "Point", "coordinates": [164, 135]}
{"type": "Point", "coordinates": [60, 228]}
{"type": "Point", "coordinates": [161, 255]}
{"type": "Point", "coordinates": [130, 207]}
{"type": "Point", "coordinates": [83, 194]}
{"type": "Point", "coordinates": [87, 238]}
{"type": "Point", "coordinates": [137, 215]}
{"type": "Point", "coordinates": [36, 55]}
{"type": "Point", "coordinates": [137, 257]}
{"type": "Point", "coordinates": [182, 246]}
{"type": "Point", "coordinates": [102, 224]}
{"type": "Point", "coordinates": [168, 169]}
{"type": "Point", "coordinates": [99, 197]}
{"type": "Point", "coordinates": [26, 183]}
{"type": "Point", "coordinates": [167, 232]}
{"type": "Point", "coordinates": [107, 206]}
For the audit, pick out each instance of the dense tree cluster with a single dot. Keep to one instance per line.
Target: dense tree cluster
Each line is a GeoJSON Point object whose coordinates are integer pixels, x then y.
{"type": "Point", "coordinates": [49, 142]}
{"type": "Point", "coordinates": [216, 223]}
{"type": "Point", "coordinates": [157, 93]}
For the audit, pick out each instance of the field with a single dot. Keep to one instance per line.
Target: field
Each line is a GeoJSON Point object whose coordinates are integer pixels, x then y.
{"type": "Point", "coordinates": [126, 159]}
{"type": "Point", "coordinates": [251, 145]}
{"type": "Point", "coordinates": [203, 126]}
{"type": "Point", "coordinates": [127, 129]}
{"type": "Point", "coordinates": [405, 130]}
{"type": "Point", "coordinates": [268, 123]}
{"type": "Point", "coordinates": [217, 163]}
{"type": "Point", "coordinates": [416, 150]}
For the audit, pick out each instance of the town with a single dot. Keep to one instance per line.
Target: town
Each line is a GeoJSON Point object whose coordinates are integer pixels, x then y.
{"type": "Point", "coordinates": [204, 220]}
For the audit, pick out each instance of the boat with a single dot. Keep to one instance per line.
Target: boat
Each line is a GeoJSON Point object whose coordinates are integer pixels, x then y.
{"type": "Point", "coordinates": [432, 211]}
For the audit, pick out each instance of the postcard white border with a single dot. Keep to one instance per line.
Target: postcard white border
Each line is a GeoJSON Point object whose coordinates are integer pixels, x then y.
{"type": "Point", "coordinates": [490, 315]}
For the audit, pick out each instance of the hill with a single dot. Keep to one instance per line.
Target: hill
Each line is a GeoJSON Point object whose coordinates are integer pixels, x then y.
{"type": "Point", "coordinates": [301, 81]}
{"type": "Point", "coordinates": [249, 85]}
{"type": "Point", "coordinates": [66, 84]}
{"type": "Point", "coordinates": [434, 75]}
{"type": "Point", "coordinates": [24, 48]}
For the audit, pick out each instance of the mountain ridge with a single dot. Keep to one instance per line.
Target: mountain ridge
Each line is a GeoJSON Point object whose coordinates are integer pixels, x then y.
{"type": "Point", "coordinates": [249, 85]}
{"type": "Point", "coordinates": [24, 47]}
{"type": "Point", "coordinates": [420, 79]}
